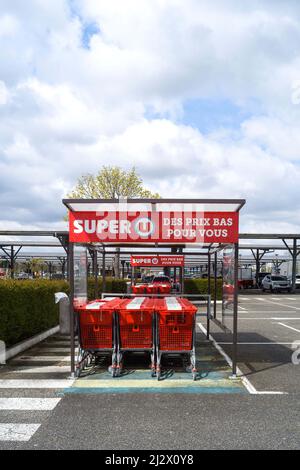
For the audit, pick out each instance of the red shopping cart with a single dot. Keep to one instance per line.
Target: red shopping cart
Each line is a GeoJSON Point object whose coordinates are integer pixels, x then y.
{"type": "Point", "coordinates": [139, 289]}
{"type": "Point", "coordinates": [175, 331]}
{"type": "Point", "coordinates": [97, 332]}
{"type": "Point", "coordinates": [135, 329]}
{"type": "Point", "coordinates": [161, 287]}
{"type": "Point", "coordinates": [156, 287]}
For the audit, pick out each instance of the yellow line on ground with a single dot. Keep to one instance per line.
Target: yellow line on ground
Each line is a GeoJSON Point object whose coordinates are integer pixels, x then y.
{"type": "Point", "coordinates": [152, 383]}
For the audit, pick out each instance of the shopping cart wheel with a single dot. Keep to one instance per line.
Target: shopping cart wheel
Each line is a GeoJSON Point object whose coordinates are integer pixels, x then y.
{"type": "Point", "coordinates": [153, 373]}
{"type": "Point", "coordinates": [89, 360]}
{"type": "Point", "coordinates": [85, 362]}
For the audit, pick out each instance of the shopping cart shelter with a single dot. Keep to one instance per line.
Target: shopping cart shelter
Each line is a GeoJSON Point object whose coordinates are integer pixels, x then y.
{"type": "Point", "coordinates": [155, 341]}
{"type": "Point", "coordinates": [213, 377]}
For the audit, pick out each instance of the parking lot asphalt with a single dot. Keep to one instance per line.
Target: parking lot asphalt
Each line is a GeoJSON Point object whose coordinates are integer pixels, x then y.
{"type": "Point", "coordinates": [268, 327]}
{"type": "Point", "coordinates": [175, 422]}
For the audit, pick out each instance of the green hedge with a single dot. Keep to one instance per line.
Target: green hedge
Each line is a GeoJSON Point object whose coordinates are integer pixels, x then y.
{"type": "Point", "coordinates": [27, 308]}
{"type": "Point", "coordinates": [200, 286]}
{"type": "Point", "coordinates": [111, 285]}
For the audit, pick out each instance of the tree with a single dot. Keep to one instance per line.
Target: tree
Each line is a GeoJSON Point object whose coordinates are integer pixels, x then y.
{"type": "Point", "coordinates": [34, 265]}
{"type": "Point", "coordinates": [112, 182]}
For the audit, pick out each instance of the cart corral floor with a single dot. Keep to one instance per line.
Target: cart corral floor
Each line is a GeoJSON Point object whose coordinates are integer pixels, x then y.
{"type": "Point", "coordinates": [213, 377]}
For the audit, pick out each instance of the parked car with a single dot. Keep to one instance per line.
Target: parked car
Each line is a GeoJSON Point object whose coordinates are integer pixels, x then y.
{"type": "Point", "coordinates": [276, 283]}
{"type": "Point", "coordinates": [261, 277]}
{"type": "Point", "coordinates": [22, 276]}
{"type": "Point", "coordinates": [147, 278]}
{"type": "Point", "coordinates": [161, 279]}
{"type": "Point", "coordinates": [297, 281]}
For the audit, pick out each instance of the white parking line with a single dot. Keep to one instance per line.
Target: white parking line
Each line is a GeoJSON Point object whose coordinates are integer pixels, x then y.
{"type": "Point", "coordinates": [35, 383]}
{"type": "Point", "coordinates": [28, 404]}
{"type": "Point", "coordinates": [41, 359]}
{"type": "Point", "coordinates": [258, 344]}
{"type": "Point", "coordinates": [271, 311]}
{"type": "Point", "coordinates": [53, 350]}
{"type": "Point", "coordinates": [251, 389]}
{"type": "Point", "coordinates": [17, 431]}
{"type": "Point", "coordinates": [283, 305]}
{"type": "Point", "coordinates": [42, 370]}
{"type": "Point", "coordinates": [269, 318]}
{"type": "Point", "coordinates": [290, 327]}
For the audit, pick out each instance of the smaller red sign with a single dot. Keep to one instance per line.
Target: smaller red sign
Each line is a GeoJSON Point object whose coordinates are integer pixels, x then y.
{"type": "Point", "coordinates": [160, 260]}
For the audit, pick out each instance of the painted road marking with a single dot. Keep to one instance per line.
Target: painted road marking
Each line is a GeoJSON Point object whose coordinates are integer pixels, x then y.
{"type": "Point", "coordinates": [28, 404]}
{"type": "Point", "coordinates": [42, 359]}
{"type": "Point", "coordinates": [42, 370]}
{"type": "Point", "coordinates": [283, 305]}
{"type": "Point", "coordinates": [144, 383]}
{"type": "Point", "coordinates": [273, 343]}
{"type": "Point", "coordinates": [53, 350]}
{"type": "Point", "coordinates": [251, 389]}
{"type": "Point", "coordinates": [269, 318]}
{"type": "Point", "coordinates": [271, 311]}
{"type": "Point", "coordinates": [17, 431]}
{"type": "Point", "coordinates": [290, 327]}
{"type": "Point", "coordinates": [36, 383]}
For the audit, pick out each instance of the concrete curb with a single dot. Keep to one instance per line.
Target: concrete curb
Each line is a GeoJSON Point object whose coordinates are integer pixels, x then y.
{"type": "Point", "coordinates": [28, 343]}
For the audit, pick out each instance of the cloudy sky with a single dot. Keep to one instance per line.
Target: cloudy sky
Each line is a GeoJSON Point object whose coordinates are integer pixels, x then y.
{"type": "Point", "coordinates": [203, 97]}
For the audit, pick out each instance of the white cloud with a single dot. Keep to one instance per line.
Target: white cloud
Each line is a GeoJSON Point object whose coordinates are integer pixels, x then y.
{"type": "Point", "coordinates": [4, 93]}
{"type": "Point", "coordinates": [66, 110]}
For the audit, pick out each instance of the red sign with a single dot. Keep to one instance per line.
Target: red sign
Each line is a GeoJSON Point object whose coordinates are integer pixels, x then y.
{"type": "Point", "coordinates": [160, 227]}
{"type": "Point", "coordinates": [160, 260]}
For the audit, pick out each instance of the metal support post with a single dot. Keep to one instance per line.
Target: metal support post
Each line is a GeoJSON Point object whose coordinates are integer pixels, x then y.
{"type": "Point", "coordinates": [72, 322]}
{"type": "Point", "coordinates": [215, 283]}
{"type": "Point", "coordinates": [103, 271]}
{"type": "Point", "coordinates": [235, 311]}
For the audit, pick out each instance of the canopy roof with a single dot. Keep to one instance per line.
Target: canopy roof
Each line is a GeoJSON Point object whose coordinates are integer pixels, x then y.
{"type": "Point", "coordinates": [159, 205]}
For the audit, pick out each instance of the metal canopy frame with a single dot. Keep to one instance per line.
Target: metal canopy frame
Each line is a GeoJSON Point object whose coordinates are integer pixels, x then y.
{"type": "Point", "coordinates": [63, 237]}
{"type": "Point", "coordinates": [230, 205]}
{"type": "Point", "coordinates": [103, 205]}
{"type": "Point", "coordinates": [11, 255]}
